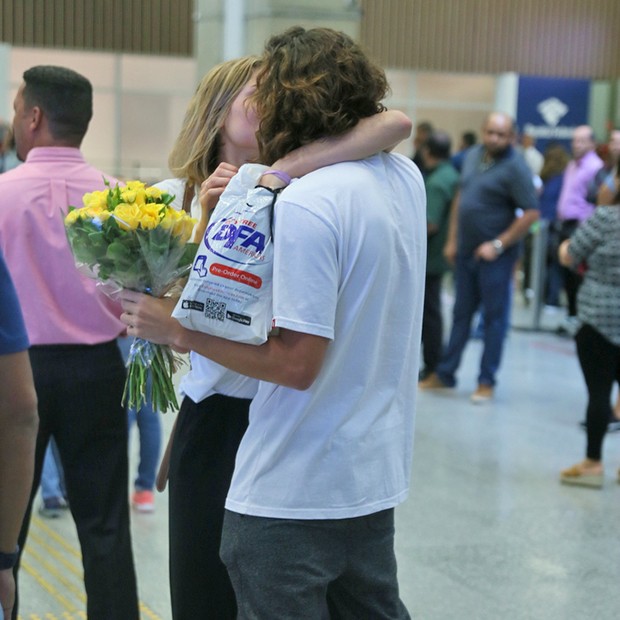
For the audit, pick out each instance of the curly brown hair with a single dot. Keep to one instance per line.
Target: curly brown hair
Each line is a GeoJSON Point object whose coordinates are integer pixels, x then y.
{"type": "Point", "coordinates": [313, 84]}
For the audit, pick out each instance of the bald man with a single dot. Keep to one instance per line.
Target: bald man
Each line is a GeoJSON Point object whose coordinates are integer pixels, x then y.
{"type": "Point", "coordinates": [494, 208]}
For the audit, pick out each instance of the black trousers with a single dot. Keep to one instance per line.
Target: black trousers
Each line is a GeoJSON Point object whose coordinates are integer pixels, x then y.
{"type": "Point", "coordinates": [202, 460]}
{"type": "Point", "coordinates": [432, 323]}
{"type": "Point", "coordinates": [572, 280]}
{"type": "Point", "coordinates": [79, 388]}
{"type": "Point", "coordinates": [600, 364]}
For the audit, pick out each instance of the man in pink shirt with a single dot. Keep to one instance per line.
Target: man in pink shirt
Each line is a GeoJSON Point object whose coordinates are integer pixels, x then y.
{"type": "Point", "coordinates": [78, 370]}
{"type": "Point", "coordinates": [574, 206]}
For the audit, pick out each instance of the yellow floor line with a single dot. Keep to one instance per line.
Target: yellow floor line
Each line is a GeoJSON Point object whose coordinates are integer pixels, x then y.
{"type": "Point", "coordinates": [76, 590]}
{"type": "Point", "coordinates": [148, 613]}
{"type": "Point", "coordinates": [57, 537]}
{"type": "Point", "coordinates": [77, 571]}
{"type": "Point", "coordinates": [47, 586]}
{"type": "Point", "coordinates": [37, 523]}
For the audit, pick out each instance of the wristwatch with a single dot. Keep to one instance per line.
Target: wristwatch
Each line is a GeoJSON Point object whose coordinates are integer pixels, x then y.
{"type": "Point", "coordinates": [498, 245]}
{"type": "Point", "coordinates": [8, 560]}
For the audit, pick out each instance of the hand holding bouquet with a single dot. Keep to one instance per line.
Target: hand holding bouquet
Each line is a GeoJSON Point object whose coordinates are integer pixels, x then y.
{"type": "Point", "coordinates": [130, 237]}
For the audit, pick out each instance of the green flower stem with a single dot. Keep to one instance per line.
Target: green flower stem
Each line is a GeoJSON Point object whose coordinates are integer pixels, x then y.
{"type": "Point", "coordinates": [159, 363]}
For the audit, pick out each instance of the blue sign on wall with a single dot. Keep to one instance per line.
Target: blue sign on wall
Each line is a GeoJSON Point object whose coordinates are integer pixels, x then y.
{"type": "Point", "coordinates": [550, 108]}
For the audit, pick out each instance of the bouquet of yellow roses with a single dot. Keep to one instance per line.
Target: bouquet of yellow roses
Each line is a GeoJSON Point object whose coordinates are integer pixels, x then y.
{"type": "Point", "coordinates": [130, 237]}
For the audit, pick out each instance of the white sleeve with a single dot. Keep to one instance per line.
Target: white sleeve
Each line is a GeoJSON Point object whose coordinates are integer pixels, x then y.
{"type": "Point", "coordinates": [306, 273]}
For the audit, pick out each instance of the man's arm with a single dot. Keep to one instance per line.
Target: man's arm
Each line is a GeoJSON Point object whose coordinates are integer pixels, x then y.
{"type": "Point", "coordinates": [564, 257]}
{"type": "Point", "coordinates": [379, 132]}
{"type": "Point", "coordinates": [292, 359]}
{"type": "Point", "coordinates": [18, 433]}
{"type": "Point", "coordinates": [515, 232]}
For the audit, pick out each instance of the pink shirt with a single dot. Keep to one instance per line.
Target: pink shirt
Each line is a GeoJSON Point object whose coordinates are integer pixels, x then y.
{"type": "Point", "coordinates": [60, 305]}
{"type": "Point", "coordinates": [573, 204]}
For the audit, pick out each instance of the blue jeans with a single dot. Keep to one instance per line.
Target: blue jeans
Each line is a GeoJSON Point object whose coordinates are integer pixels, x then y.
{"type": "Point", "coordinates": [149, 429]}
{"type": "Point", "coordinates": [52, 476]}
{"type": "Point", "coordinates": [479, 282]}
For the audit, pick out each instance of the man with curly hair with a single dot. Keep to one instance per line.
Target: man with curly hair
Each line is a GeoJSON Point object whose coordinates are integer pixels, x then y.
{"type": "Point", "coordinates": [309, 525]}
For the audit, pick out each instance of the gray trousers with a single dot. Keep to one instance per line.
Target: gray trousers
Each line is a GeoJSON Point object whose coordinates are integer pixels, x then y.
{"type": "Point", "coordinates": [292, 569]}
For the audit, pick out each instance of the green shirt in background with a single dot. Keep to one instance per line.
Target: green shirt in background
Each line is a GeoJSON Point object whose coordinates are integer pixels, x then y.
{"type": "Point", "coordinates": [441, 185]}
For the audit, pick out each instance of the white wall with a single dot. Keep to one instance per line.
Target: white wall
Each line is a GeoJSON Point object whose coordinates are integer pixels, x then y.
{"type": "Point", "coordinates": [452, 102]}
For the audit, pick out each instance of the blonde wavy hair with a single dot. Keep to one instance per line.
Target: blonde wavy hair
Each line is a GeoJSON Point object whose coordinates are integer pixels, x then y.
{"type": "Point", "coordinates": [313, 84]}
{"type": "Point", "coordinates": [195, 153]}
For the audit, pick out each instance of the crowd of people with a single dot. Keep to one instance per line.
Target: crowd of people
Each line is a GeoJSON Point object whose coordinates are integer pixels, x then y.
{"type": "Point", "coordinates": [503, 188]}
{"type": "Point", "coordinates": [286, 459]}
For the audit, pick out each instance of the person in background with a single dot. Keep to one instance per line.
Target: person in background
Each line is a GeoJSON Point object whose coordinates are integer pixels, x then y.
{"type": "Point", "coordinates": [533, 157]}
{"type": "Point", "coordinates": [597, 241]}
{"type": "Point", "coordinates": [575, 207]}
{"type": "Point", "coordinates": [423, 130]}
{"type": "Point", "coordinates": [18, 434]}
{"type": "Point", "coordinates": [77, 367]}
{"type": "Point", "coordinates": [483, 242]}
{"type": "Point", "coordinates": [468, 139]}
{"type": "Point", "coordinates": [53, 491]}
{"type": "Point", "coordinates": [327, 454]}
{"type": "Point", "coordinates": [441, 184]}
{"type": "Point", "coordinates": [556, 159]}
{"type": "Point", "coordinates": [8, 155]}
{"type": "Point", "coordinates": [217, 137]}
{"type": "Point", "coordinates": [603, 188]}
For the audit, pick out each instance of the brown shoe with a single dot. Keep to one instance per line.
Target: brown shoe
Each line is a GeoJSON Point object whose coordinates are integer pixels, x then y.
{"type": "Point", "coordinates": [483, 394]}
{"type": "Point", "coordinates": [432, 382]}
{"type": "Point", "coordinates": [583, 475]}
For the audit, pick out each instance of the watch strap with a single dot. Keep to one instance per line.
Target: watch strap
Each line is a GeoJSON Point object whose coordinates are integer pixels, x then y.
{"type": "Point", "coordinates": [8, 560]}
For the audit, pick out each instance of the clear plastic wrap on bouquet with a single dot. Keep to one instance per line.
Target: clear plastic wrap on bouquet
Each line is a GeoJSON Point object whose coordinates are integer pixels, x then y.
{"type": "Point", "coordinates": [129, 237]}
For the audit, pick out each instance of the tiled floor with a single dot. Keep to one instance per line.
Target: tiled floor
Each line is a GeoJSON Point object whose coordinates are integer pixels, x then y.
{"type": "Point", "coordinates": [488, 532]}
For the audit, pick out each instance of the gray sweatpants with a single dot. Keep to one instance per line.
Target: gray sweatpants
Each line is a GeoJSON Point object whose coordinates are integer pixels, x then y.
{"type": "Point", "coordinates": [291, 569]}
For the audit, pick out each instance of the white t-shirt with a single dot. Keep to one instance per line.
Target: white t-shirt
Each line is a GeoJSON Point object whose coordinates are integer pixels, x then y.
{"type": "Point", "coordinates": [349, 265]}
{"type": "Point", "coordinates": [205, 377]}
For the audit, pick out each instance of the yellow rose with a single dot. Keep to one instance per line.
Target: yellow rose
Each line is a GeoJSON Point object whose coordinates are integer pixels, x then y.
{"type": "Point", "coordinates": [96, 199]}
{"type": "Point", "coordinates": [137, 196]}
{"type": "Point", "coordinates": [183, 225]}
{"type": "Point", "coordinates": [73, 216]}
{"type": "Point", "coordinates": [128, 216]}
{"type": "Point", "coordinates": [153, 192]}
{"type": "Point", "coordinates": [103, 215]}
{"type": "Point", "coordinates": [150, 216]}
{"type": "Point", "coordinates": [133, 192]}
{"type": "Point", "coordinates": [134, 185]}
{"type": "Point", "coordinates": [170, 217]}
{"type": "Point", "coordinates": [184, 229]}
{"type": "Point", "coordinates": [93, 211]}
